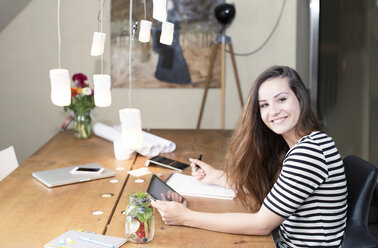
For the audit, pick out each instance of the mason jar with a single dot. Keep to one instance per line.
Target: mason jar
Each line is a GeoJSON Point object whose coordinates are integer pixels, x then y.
{"type": "Point", "coordinates": [140, 224]}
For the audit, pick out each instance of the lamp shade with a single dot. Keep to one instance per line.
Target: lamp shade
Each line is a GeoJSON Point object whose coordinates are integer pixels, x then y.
{"type": "Point", "coordinates": [102, 95]}
{"type": "Point", "coordinates": [166, 36]}
{"type": "Point", "coordinates": [98, 43]}
{"type": "Point", "coordinates": [159, 10]}
{"type": "Point", "coordinates": [145, 31]}
{"type": "Point", "coordinates": [131, 128]}
{"type": "Point", "coordinates": [60, 87]}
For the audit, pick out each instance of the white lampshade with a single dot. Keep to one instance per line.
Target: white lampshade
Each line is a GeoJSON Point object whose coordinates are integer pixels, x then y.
{"type": "Point", "coordinates": [98, 43]}
{"type": "Point", "coordinates": [145, 31]}
{"type": "Point", "coordinates": [166, 36]}
{"type": "Point", "coordinates": [60, 87]}
{"type": "Point", "coordinates": [159, 11]}
{"type": "Point", "coordinates": [102, 95]}
{"type": "Point", "coordinates": [131, 128]}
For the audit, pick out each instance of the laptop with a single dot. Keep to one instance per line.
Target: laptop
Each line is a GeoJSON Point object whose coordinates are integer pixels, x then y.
{"type": "Point", "coordinates": [68, 175]}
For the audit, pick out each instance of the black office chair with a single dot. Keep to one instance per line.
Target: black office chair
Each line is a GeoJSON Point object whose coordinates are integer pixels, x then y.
{"type": "Point", "coordinates": [361, 180]}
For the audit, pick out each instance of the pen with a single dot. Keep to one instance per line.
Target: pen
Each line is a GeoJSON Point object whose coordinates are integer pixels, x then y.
{"type": "Point", "coordinates": [199, 158]}
{"type": "Point", "coordinates": [96, 242]}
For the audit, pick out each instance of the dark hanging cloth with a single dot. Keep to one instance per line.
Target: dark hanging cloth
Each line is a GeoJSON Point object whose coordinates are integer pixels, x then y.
{"type": "Point", "coordinates": [171, 66]}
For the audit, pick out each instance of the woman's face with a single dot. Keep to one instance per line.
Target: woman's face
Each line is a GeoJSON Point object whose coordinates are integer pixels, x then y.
{"type": "Point", "coordinates": [279, 108]}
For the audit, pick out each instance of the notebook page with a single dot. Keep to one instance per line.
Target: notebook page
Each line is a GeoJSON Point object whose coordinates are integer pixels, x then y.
{"type": "Point", "coordinates": [190, 186]}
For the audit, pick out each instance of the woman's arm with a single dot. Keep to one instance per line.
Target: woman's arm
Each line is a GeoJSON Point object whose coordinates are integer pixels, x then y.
{"type": "Point", "coordinates": [260, 223]}
{"type": "Point", "coordinates": [208, 174]}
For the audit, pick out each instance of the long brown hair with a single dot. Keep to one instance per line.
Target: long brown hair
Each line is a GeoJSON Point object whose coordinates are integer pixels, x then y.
{"type": "Point", "coordinates": [255, 153]}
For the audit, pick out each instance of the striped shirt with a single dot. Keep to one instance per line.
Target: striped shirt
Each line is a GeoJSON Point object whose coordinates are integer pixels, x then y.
{"type": "Point", "coordinates": [311, 194]}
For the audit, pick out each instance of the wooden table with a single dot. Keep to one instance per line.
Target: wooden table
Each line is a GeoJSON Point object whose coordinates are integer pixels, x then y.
{"type": "Point", "coordinates": [31, 214]}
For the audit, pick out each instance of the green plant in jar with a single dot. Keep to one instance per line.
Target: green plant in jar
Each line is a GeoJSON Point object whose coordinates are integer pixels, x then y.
{"type": "Point", "coordinates": [140, 226]}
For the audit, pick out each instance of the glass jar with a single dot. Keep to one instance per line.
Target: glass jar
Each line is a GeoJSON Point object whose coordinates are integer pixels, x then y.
{"type": "Point", "coordinates": [83, 125]}
{"type": "Point", "coordinates": [140, 224]}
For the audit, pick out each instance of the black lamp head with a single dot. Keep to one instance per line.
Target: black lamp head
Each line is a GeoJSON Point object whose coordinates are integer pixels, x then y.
{"type": "Point", "coordinates": [225, 13]}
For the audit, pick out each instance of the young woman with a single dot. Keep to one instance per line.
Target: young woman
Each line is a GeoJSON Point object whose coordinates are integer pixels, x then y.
{"type": "Point", "coordinates": [282, 166]}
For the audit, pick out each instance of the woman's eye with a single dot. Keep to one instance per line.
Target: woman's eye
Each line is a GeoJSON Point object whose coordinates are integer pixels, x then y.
{"type": "Point", "coordinates": [263, 105]}
{"type": "Point", "coordinates": [283, 99]}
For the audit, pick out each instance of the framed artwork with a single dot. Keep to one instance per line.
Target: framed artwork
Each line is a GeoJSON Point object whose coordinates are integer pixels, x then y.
{"type": "Point", "coordinates": [184, 64]}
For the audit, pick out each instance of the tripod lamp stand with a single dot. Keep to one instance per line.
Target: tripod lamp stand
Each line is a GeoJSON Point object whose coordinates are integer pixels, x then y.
{"type": "Point", "coordinates": [224, 14]}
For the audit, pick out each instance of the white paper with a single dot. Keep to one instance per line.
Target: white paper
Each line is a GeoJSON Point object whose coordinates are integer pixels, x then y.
{"type": "Point", "coordinates": [77, 238]}
{"type": "Point", "coordinates": [152, 144]}
{"type": "Point", "coordinates": [190, 186]}
{"type": "Point", "coordinates": [106, 132]}
{"type": "Point", "coordinates": [140, 172]}
{"type": "Point", "coordinates": [8, 162]}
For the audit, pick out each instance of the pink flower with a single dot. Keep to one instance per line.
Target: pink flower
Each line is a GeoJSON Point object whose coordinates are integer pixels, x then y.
{"type": "Point", "coordinates": [80, 78]}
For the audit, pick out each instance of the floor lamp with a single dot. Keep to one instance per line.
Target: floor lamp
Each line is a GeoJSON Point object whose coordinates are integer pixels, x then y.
{"type": "Point", "coordinates": [224, 14]}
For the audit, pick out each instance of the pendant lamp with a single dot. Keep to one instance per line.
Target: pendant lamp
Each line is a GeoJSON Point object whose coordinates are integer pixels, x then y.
{"type": "Point", "coordinates": [145, 31]}
{"type": "Point", "coordinates": [60, 78]}
{"type": "Point", "coordinates": [102, 96]}
{"type": "Point", "coordinates": [159, 10]}
{"type": "Point", "coordinates": [60, 87]}
{"type": "Point", "coordinates": [167, 30]}
{"type": "Point", "coordinates": [98, 43]}
{"type": "Point", "coordinates": [102, 82]}
{"type": "Point", "coordinates": [131, 128]}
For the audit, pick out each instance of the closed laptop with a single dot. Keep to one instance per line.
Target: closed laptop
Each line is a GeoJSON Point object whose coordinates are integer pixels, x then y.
{"type": "Point", "coordinates": [63, 176]}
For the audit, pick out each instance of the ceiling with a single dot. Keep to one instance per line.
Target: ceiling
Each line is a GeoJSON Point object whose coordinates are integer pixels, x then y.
{"type": "Point", "coordinates": [9, 9]}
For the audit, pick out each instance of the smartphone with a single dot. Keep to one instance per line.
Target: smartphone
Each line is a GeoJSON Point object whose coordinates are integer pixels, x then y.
{"type": "Point", "coordinates": [86, 170]}
{"type": "Point", "coordinates": [166, 162]}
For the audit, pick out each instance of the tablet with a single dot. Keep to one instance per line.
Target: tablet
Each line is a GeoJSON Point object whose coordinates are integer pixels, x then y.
{"type": "Point", "coordinates": [158, 187]}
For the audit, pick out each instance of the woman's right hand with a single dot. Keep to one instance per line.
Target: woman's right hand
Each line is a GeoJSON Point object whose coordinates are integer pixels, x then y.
{"type": "Point", "coordinates": [205, 173]}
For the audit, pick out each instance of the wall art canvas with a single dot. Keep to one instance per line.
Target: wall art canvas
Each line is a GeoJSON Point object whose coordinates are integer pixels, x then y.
{"type": "Point", "coordinates": [184, 64]}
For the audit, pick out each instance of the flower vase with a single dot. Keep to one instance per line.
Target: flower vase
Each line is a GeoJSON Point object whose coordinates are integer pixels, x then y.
{"type": "Point", "coordinates": [83, 125]}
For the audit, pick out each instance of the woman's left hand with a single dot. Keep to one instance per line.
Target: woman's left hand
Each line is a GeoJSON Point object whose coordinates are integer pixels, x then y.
{"type": "Point", "coordinates": [172, 213]}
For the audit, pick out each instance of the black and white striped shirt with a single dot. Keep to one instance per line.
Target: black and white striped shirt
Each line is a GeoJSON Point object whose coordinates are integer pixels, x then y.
{"type": "Point", "coordinates": [311, 194]}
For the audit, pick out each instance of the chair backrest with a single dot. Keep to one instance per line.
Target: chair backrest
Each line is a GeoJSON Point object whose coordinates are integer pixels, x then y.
{"type": "Point", "coordinates": [8, 162]}
{"type": "Point", "coordinates": [361, 180]}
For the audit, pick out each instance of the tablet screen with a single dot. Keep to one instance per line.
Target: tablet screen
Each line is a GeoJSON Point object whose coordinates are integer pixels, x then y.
{"type": "Point", "coordinates": [158, 187]}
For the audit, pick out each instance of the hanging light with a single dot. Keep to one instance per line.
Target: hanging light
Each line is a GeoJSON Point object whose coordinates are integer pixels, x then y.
{"type": "Point", "coordinates": [102, 82]}
{"type": "Point", "coordinates": [166, 36]}
{"type": "Point", "coordinates": [159, 10]}
{"type": "Point", "coordinates": [102, 95]}
{"type": "Point", "coordinates": [131, 128]}
{"type": "Point", "coordinates": [60, 87]}
{"type": "Point", "coordinates": [98, 43]}
{"type": "Point", "coordinates": [60, 78]}
{"type": "Point", "coordinates": [145, 31]}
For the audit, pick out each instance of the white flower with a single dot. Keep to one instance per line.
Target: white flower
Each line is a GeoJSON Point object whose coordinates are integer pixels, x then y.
{"type": "Point", "coordinates": [86, 91]}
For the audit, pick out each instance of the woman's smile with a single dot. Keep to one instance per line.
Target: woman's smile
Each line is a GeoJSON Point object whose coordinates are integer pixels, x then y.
{"type": "Point", "coordinates": [279, 121]}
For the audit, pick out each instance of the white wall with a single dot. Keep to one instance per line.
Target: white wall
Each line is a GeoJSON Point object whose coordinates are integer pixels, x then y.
{"type": "Point", "coordinates": [28, 50]}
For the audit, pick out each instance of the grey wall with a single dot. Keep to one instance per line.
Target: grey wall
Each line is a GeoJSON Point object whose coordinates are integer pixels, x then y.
{"type": "Point", "coordinates": [28, 50]}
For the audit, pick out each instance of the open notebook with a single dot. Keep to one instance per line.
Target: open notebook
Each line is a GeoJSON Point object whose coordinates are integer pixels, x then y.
{"type": "Point", "coordinates": [190, 186]}
{"type": "Point", "coordinates": [76, 239]}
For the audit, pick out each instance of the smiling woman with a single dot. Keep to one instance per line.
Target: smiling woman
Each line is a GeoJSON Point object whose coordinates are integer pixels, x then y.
{"type": "Point", "coordinates": [279, 108]}
{"type": "Point", "coordinates": [283, 168]}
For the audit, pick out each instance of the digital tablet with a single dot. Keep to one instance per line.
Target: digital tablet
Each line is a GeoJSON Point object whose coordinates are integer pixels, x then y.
{"type": "Point", "coordinates": [157, 187]}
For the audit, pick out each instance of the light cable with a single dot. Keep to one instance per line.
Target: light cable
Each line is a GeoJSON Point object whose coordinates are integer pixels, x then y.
{"type": "Point", "coordinates": [267, 39]}
{"type": "Point", "coordinates": [59, 43]}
